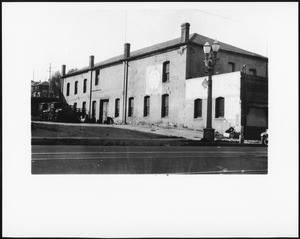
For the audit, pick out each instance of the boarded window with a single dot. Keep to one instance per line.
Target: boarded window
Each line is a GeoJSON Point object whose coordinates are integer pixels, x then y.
{"type": "Point", "coordinates": [117, 107]}
{"type": "Point", "coordinates": [165, 105]}
{"type": "Point", "coordinates": [130, 106]}
{"type": "Point", "coordinates": [76, 87]}
{"type": "Point", "coordinates": [198, 108]}
{"type": "Point", "coordinates": [84, 85]}
{"type": "Point", "coordinates": [220, 107]}
{"type": "Point", "coordinates": [166, 71]}
{"type": "Point", "coordinates": [146, 106]}
{"type": "Point", "coordinates": [231, 67]}
{"type": "Point", "coordinates": [68, 89]}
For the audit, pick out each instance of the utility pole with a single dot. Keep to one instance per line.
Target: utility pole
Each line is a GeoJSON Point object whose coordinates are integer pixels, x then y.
{"type": "Point", "coordinates": [50, 72]}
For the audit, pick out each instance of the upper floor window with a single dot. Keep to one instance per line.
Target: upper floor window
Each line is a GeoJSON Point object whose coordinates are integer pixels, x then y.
{"type": "Point", "coordinates": [252, 71]}
{"type": "Point", "coordinates": [97, 76]}
{"type": "Point", "coordinates": [130, 106]}
{"type": "Point", "coordinates": [197, 108]}
{"type": "Point", "coordinates": [165, 105]}
{"type": "Point", "coordinates": [146, 106]}
{"type": "Point", "coordinates": [68, 89]}
{"type": "Point", "coordinates": [166, 71]}
{"type": "Point", "coordinates": [220, 107]}
{"type": "Point", "coordinates": [76, 87]}
{"type": "Point", "coordinates": [231, 67]}
{"type": "Point", "coordinates": [117, 107]}
{"type": "Point", "coordinates": [84, 85]}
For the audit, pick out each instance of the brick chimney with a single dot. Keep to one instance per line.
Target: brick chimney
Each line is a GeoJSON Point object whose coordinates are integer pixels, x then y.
{"type": "Point", "coordinates": [126, 50]}
{"type": "Point", "coordinates": [185, 32]}
{"type": "Point", "coordinates": [63, 70]}
{"type": "Point", "coordinates": [91, 61]}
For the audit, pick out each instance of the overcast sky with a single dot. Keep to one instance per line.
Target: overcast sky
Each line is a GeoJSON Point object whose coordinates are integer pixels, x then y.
{"type": "Point", "coordinates": [38, 34]}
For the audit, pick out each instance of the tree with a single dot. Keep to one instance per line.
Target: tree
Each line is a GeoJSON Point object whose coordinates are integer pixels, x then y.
{"type": "Point", "coordinates": [54, 85]}
{"type": "Point", "coordinates": [72, 70]}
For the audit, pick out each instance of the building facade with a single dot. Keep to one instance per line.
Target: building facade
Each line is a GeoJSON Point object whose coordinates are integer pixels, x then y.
{"type": "Point", "coordinates": [165, 84]}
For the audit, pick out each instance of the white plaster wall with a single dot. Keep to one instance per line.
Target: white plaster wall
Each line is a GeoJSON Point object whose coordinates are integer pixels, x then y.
{"type": "Point", "coordinates": [224, 85]}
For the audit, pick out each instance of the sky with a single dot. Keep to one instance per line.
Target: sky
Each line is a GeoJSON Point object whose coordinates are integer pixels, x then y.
{"type": "Point", "coordinates": [38, 34]}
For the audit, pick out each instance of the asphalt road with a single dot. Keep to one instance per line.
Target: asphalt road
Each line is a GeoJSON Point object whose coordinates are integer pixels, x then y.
{"type": "Point", "coordinates": [76, 159]}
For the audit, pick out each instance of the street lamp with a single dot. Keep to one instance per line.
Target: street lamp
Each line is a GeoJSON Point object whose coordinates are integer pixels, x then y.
{"type": "Point", "coordinates": [210, 61]}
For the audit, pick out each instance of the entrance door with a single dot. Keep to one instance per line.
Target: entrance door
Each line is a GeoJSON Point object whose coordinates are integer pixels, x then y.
{"type": "Point", "coordinates": [103, 111]}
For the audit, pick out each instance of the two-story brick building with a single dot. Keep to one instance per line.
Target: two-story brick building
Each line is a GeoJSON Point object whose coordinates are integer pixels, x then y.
{"type": "Point", "coordinates": [165, 84]}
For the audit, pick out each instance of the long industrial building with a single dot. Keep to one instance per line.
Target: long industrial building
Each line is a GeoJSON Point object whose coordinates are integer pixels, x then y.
{"type": "Point", "coordinates": [167, 84]}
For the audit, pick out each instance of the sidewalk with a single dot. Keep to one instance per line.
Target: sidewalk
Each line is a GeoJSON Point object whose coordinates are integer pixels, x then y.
{"type": "Point", "coordinates": [170, 136]}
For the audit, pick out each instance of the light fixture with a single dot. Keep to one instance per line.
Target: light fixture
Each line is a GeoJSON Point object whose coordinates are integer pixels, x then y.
{"type": "Point", "coordinates": [206, 48]}
{"type": "Point", "coordinates": [215, 46]}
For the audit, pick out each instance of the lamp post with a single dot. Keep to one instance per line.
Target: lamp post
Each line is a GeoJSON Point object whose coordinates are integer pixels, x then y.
{"type": "Point", "coordinates": [210, 61]}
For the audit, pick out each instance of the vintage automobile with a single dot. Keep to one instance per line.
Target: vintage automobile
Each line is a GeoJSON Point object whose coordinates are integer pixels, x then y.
{"type": "Point", "coordinates": [264, 137]}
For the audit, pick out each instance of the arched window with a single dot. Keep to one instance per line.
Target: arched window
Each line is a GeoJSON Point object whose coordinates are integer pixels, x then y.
{"type": "Point", "coordinates": [197, 108]}
{"type": "Point", "coordinates": [220, 107]}
{"type": "Point", "coordinates": [68, 89]}
{"type": "Point", "coordinates": [76, 88]}
{"type": "Point", "coordinates": [83, 107]}
{"type": "Point", "coordinates": [97, 76]}
{"type": "Point", "coordinates": [117, 107]}
{"type": "Point", "coordinates": [84, 85]}
{"type": "Point", "coordinates": [130, 106]}
{"type": "Point", "coordinates": [146, 105]}
{"type": "Point", "coordinates": [165, 105]}
{"type": "Point", "coordinates": [94, 109]}
{"type": "Point", "coordinates": [166, 71]}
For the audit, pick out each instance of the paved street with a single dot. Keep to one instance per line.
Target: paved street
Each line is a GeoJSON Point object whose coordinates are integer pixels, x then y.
{"type": "Point", "coordinates": [76, 159]}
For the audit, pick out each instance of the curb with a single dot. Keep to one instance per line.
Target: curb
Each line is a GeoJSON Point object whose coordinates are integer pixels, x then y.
{"type": "Point", "coordinates": [134, 142]}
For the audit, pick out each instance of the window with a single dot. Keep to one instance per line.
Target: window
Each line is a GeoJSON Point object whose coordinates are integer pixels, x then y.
{"type": "Point", "coordinates": [130, 106]}
{"type": "Point", "coordinates": [166, 71]}
{"type": "Point", "coordinates": [252, 71]}
{"type": "Point", "coordinates": [68, 89]}
{"type": "Point", "coordinates": [76, 87]}
{"type": "Point", "coordinates": [97, 76]}
{"type": "Point", "coordinates": [75, 106]}
{"type": "Point", "coordinates": [146, 106]}
{"type": "Point", "coordinates": [219, 107]}
{"type": "Point", "coordinates": [231, 67]}
{"type": "Point", "coordinates": [117, 107]}
{"type": "Point", "coordinates": [94, 109]}
{"type": "Point", "coordinates": [165, 105]}
{"type": "Point", "coordinates": [198, 108]}
{"type": "Point", "coordinates": [84, 85]}
{"type": "Point", "coordinates": [83, 107]}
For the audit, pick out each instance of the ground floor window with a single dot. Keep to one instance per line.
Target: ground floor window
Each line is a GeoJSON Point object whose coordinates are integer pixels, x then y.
{"type": "Point", "coordinates": [165, 105]}
{"type": "Point", "coordinates": [94, 109]}
{"type": "Point", "coordinates": [220, 107]}
{"type": "Point", "coordinates": [197, 108]}
{"type": "Point", "coordinates": [130, 106]}
{"type": "Point", "coordinates": [117, 107]}
{"type": "Point", "coordinates": [83, 107]}
{"type": "Point", "coordinates": [146, 106]}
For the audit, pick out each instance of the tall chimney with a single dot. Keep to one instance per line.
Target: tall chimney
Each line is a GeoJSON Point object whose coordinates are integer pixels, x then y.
{"type": "Point", "coordinates": [91, 61]}
{"type": "Point", "coordinates": [63, 70]}
{"type": "Point", "coordinates": [126, 50]}
{"type": "Point", "coordinates": [185, 32]}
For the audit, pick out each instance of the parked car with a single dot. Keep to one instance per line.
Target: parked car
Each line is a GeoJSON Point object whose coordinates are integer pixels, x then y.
{"type": "Point", "coordinates": [264, 137]}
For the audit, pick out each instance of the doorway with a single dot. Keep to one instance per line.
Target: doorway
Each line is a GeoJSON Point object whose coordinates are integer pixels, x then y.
{"type": "Point", "coordinates": [103, 111]}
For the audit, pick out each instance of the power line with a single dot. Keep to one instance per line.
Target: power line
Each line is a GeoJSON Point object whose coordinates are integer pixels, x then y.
{"type": "Point", "coordinates": [209, 13]}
